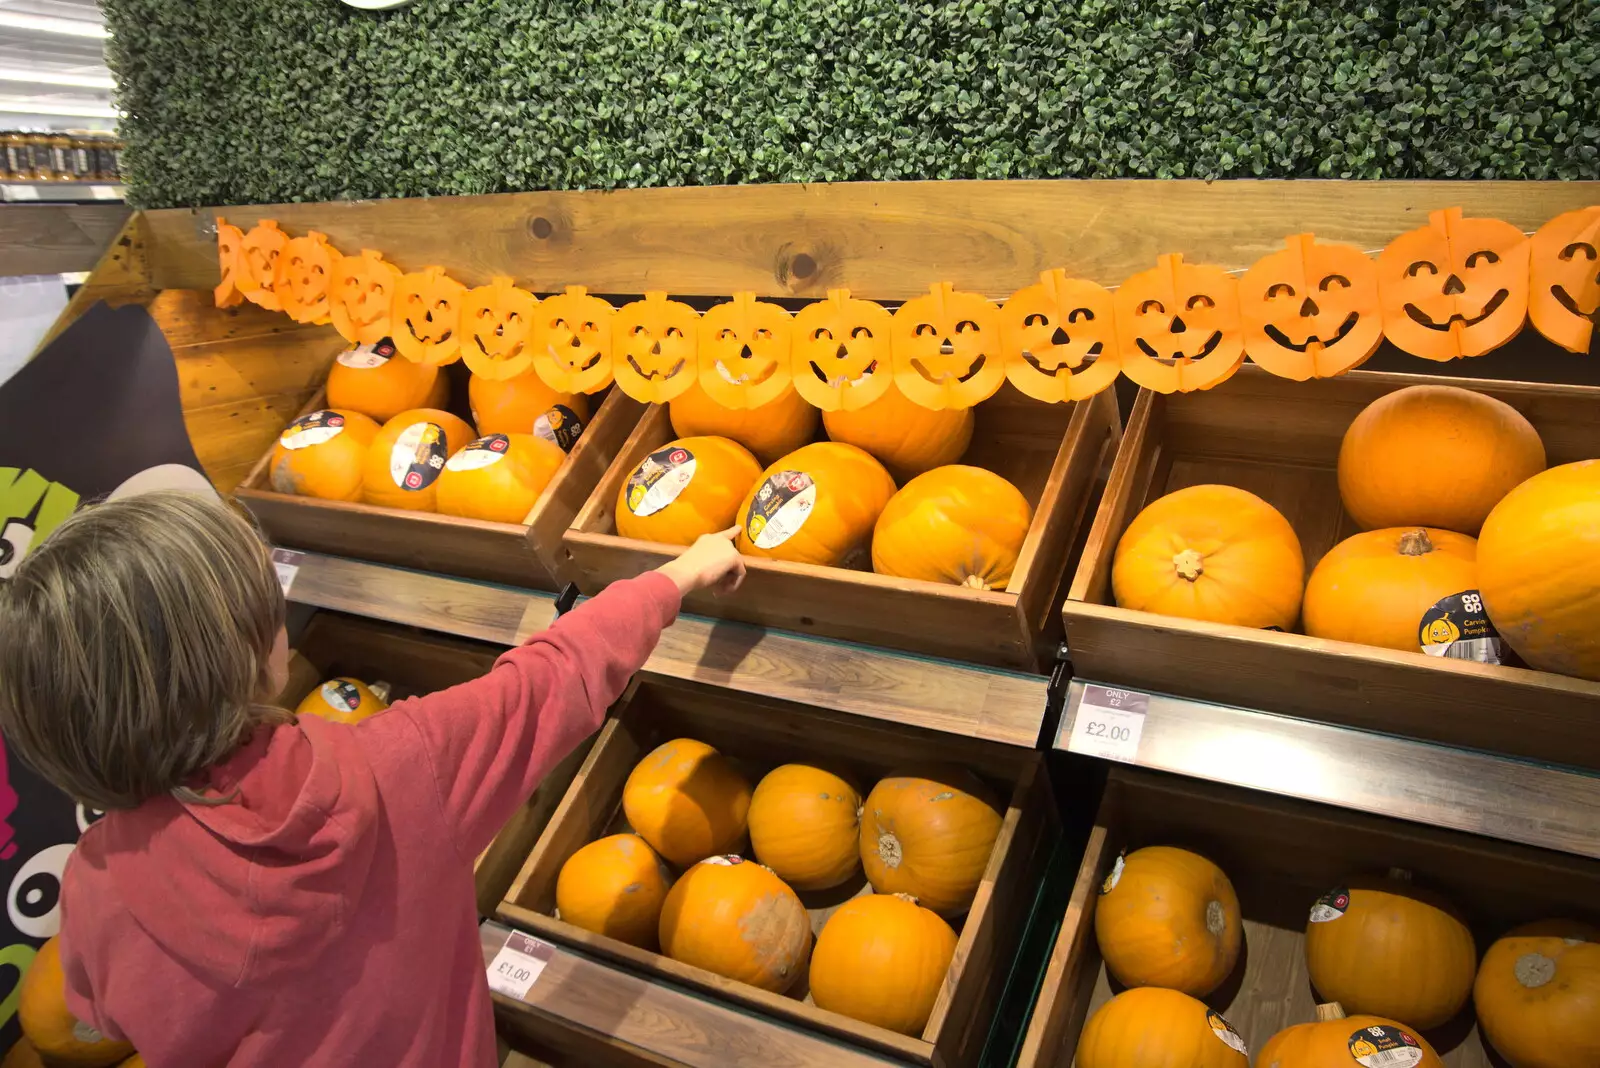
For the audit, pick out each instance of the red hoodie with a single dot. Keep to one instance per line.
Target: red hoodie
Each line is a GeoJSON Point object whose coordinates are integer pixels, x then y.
{"type": "Point", "coordinates": [327, 916]}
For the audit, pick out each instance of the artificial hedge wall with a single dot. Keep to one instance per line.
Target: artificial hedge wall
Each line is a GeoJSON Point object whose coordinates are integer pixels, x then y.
{"type": "Point", "coordinates": [244, 101]}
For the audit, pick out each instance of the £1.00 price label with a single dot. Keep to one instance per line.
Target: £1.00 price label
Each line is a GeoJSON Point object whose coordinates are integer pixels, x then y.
{"type": "Point", "coordinates": [518, 964]}
{"type": "Point", "coordinates": [1109, 723]}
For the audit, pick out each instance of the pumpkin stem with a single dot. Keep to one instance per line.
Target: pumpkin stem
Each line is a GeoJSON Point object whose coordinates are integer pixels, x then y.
{"type": "Point", "coordinates": [1400, 875]}
{"type": "Point", "coordinates": [1187, 564]}
{"type": "Point", "coordinates": [906, 897]}
{"type": "Point", "coordinates": [1415, 543]}
{"type": "Point", "coordinates": [1331, 1011]}
{"type": "Point", "coordinates": [975, 582]}
{"type": "Point", "coordinates": [1534, 970]}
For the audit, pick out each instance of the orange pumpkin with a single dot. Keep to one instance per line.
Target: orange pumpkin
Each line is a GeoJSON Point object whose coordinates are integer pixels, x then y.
{"type": "Point", "coordinates": [523, 405]}
{"type": "Point", "coordinates": [1398, 589]}
{"type": "Point", "coordinates": [1454, 287]}
{"type": "Point", "coordinates": [361, 297]}
{"type": "Point", "coordinates": [1384, 947]}
{"type": "Point", "coordinates": [960, 525]}
{"type": "Point", "coordinates": [498, 478]}
{"type": "Point", "coordinates": [1434, 456]}
{"type": "Point", "coordinates": [929, 835]}
{"type": "Point", "coordinates": [1178, 326]}
{"type": "Point", "coordinates": [657, 348]}
{"type": "Point", "coordinates": [1149, 1027]}
{"type": "Point", "coordinates": [1311, 310]}
{"type": "Point", "coordinates": [946, 349]}
{"type": "Point", "coordinates": [305, 271]}
{"type": "Point", "coordinates": [60, 1037]}
{"type": "Point", "coordinates": [368, 379]}
{"type": "Point", "coordinates": [817, 505]}
{"type": "Point", "coordinates": [1538, 995]}
{"type": "Point", "coordinates": [771, 431]}
{"type": "Point", "coordinates": [405, 460]}
{"type": "Point", "coordinates": [1563, 278]}
{"type": "Point", "coordinates": [904, 436]}
{"type": "Point", "coordinates": [805, 824]}
{"type": "Point", "coordinates": [744, 356]}
{"type": "Point", "coordinates": [1060, 338]}
{"type": "Point", "coordinates": [22, 1053]}
{"type": "Point", "coordinates": [1214, 553]}
{"type": "Point", "coordinates": [1338, 1041]}
{"type": "Point", "coordinates": [615, 887]}
{"type": "Point", "coordinates": [322, 455]}
{"type": "Point", "coordinates": [426, 316]}
{"type": "Point", "coordinates": [1170, 918]}
{"type": "Point", "coordinates": [230, 240]}
{"type": "Point", "coordinates": [687, 801]}
{"type": "Point", "coordinates": [841, 353]}
{"type": "Point", "coordinates": [1539, 569]}
{"type": "Point", "coordinates": [257, 278]}
{"type": "Point", "coordinates": [882, 959]}
{"type": "Point", "coordinates": [344, 700]}
{"type": "Point", "coordinates": [739, 920]}
{"type": "Point", "coordinates": [684, 489]}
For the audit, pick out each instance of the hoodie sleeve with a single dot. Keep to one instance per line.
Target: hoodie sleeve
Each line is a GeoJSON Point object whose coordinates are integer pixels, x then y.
{"type": "Point", "coordinates": [492, 740]}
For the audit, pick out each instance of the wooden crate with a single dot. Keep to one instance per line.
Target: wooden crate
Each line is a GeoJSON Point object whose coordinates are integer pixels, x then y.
{"type": "Point", "coordinates": [757, 736]}
{"type": "Point", "coordinates": [1051, 452]}
{"type": "Point", "coordinates": [1281, 855]}
{"type": "Point", "coordinates": [415, 662]}
{"type": "Point", "coordinates": [1280, 440]}
{"type": "Point", "coordinates": [525, 554]}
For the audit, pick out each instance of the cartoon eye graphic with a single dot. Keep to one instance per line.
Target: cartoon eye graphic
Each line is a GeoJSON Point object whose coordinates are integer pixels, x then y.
{"type": "Point", "coordinates": [88, 817]}
{"type": "Point", "coordinates": [34, 900]}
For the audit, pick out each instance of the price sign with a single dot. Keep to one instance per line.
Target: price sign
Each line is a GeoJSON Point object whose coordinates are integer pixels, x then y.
{"type": "Point", "coordinates": [1109, 723]}
{"type": "Point", "coordinates": [516, 967]}
{"type": "Point", "coordinates": [287, 563]}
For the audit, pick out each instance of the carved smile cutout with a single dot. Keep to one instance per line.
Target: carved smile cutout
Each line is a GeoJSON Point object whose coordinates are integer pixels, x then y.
{"type": "Point", "coordinates": [1205, 350]}
{"type": "Point", "coordinates": [1345, 327]}
{"type": "Point", "coordinates": [748, 378]}
{"type": "Point", "coordinates": [1489, 309]}
{"type": "Point", "coordinates": [642, 373]}
{"type": "Point", "coordinates": [840, 380]}
{"type": "Point", "coordinates": [939, 379]}
{"type": "Point", "coordinates": [427, 337]}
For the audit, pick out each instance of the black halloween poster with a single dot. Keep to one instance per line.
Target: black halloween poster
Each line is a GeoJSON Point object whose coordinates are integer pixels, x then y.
{"type": "Point", "coordinates": [96, 414]}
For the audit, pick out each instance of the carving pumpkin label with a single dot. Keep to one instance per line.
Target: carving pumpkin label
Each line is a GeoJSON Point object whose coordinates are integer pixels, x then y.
{"type": "Point", "coordinates": [559, 426]}
{"type": "Point", "coordinates": [780, 508]}
{"type": "Point", "coordinates": [418, 456]}
{"type": "Point", "coordinates": [1331, 906]}
{"type": "Point", "coordinates": [1224, 1030]}
{"type": "Point", "coordinates": [366, 357]}
{"type": "Point", "coordinates": [313, 429]}
{"type": "Point", "coordinates": [1458, 628]}
{"type": "Point", "coordinates": [341, 696]}
{"type": "Point", "coordinates": [658, 480]}
{"type": "Point", "coordinates": [481, 453]}
{"type": "Point", "coordinates": [1385, 1047]}
{"type": "Point", "coordinates": [1114, 876]}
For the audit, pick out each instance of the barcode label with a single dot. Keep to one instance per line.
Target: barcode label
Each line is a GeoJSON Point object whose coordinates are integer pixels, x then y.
{"type": "Point", "coordinates": [1109, 723]}
{"type": "Point", "coordinates": [518, 965]}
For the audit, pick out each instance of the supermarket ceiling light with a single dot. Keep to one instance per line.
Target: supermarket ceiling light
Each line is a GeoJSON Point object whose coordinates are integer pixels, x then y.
{"type": "Point", "coordinates": [17, 20]}
{"type": "Point", "coordinates": [43, 77]}
{"type": "Point", "coordinates": [24, 106]}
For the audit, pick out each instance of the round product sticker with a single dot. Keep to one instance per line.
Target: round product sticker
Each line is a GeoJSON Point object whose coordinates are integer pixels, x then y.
{"type": "Point", "coordinates": [1330, 906]}
{"type": "Point", "coordinates": [1224, 1030]}
{"type": "Point", "coordinates": [490, 449]}
{"type": "Point", "coordinates": [1385, 1047]}
{"type": "Point", "coordinates": [313, 429]}
{"type": "Point", "coordinates": [1114, 876]}
{"type": "Point", "coordinates": [1458, 628]}
{"type": "Point", "coordinates": [780, 508]}
{"type": "Point", "coordinates": [366, 357]}
{"type": "Point", "coordinates": [560, 425]}
{"type": "Point", "coordinates": [658, 480]}
{"type": "Point", "coordinates": [341, 696]}
{"type": "Point", "coordinates": [418, 456]}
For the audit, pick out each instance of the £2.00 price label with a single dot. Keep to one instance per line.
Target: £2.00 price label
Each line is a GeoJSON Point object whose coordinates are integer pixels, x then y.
{"type": "Point", "coordinates": [1109, 723]}
{"type": "Point", "coordinates": [518, 964]}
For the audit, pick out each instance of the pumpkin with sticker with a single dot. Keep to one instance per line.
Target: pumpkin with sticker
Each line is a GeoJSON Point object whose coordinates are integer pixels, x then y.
{"type": "Point", "coordinates": [687, 488]}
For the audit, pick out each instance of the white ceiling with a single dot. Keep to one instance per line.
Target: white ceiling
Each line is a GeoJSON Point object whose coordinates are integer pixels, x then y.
{"type": "Point", "coordinates": [52, 66]}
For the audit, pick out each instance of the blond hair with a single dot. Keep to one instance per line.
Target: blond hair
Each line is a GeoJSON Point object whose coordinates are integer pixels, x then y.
{"type": "Point", "coordinates": [135, 644]}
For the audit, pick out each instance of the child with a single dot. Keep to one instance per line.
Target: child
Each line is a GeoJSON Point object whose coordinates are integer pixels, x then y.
{"type": "Point", "coordinates": [266, 891]}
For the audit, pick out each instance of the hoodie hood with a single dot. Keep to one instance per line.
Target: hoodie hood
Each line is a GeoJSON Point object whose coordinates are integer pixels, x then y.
{"type": "Point", "coordinates": [269, 876]}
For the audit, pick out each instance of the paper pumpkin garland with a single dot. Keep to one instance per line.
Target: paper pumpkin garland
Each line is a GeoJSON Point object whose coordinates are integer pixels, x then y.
{"type": "Point", "coordinates": [946, 349]}
{"type": "Point", "coordinates": [257, 276]}
{"type": "Point", "coordinates": [1178, 326]}
{"type": "Point", "coordinates": [361, 297]}
{"type": "Point", "coordinates": [572, 341]}
{"type": "Point", "coordinates": [1564, 278]}
{"type": "Point", "coordinates": [1059, 338]}
{"type": "Point", "coordinates": [425, 319]}
{"type": "Point", "coordinates": [230, 242]}
{"type": "Point", "coordinates": [497, 323]}
{"type": "Point", "coordinates": [744, 352]}
{"type": "Point", "coordinates": [1310, 310]}
{"type": "Point", "coordinates": [655, 341]}
{"type": "Point", "coordinates": [841, 353]}
{"type": "Point", "coordinates": [304, 275]}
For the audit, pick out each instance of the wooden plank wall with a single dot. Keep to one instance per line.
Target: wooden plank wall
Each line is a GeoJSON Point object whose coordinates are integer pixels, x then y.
{"type": "Point", "coordinates": [56, 238]}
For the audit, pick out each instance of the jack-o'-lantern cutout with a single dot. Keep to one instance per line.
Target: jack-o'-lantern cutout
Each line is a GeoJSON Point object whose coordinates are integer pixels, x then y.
{"type": "Point", "coordinates": [1455, 287]}
{"type": "Point", "coordinates": [1311, 309]}
{"type": "Point", "coordinates": [1059, 338]}
{"type": "Point", "coordinates": [947, 349]}
{"type": "Point", "coordinates": [305, 274]}
{"type": "Point", "coordinates": [655, 345]}
{"type": "Point", "coordinates": [497, 329]}
{"type": "Point", "coordinates": [1564, 278]}
{"type": "Point", "coordinates": [361, 297]}
{"type": "Point", "coordinates": [230, 242]}
{"type": "Point", "coordinates": [426, 317]}
{"type": "Point", "coordinates": [572, 341]}
{"type": "Point", "coordinates": [1178, 326]}
{"type": "Point", "coordinates": [744, 352]}
{"type": "Point", "coordinates": [257, 277]}
{"type": "Point", "coordinates": [841, 352]}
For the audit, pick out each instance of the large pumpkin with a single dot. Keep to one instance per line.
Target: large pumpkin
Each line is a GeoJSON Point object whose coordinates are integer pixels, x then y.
{"type": "Point", "coordinates": [1539, 569]}
{"type": "Point", "coordinates": [58, 1036]}
{"type": "Point", "coordinates": [322, 455]}
{"type": "Point", "coordinates": [771, 431]}
{"type": "Point", "coordinates": [957, 524]}
{"type": "Point", "coordinates": [522, 405]}
{"type": "Point", "coordinates": [1148, 1027]}
{"type": "Point", "coordinates": [805, 824]}
{"type": "Point", "coordinates": [1170, 918]}
{"type": "Point", "coordinates": [1411, 588]}
{"type": "Point", "coordinates": [1538, 995]}
{"type": "Point", "coordinates": [817, 505]}
{"type": "Point", "coordinates": [1215, 553]}
{"type": "Point", "coordinates": [929, 835]}
{"type": "Point", "coordinates": [344, 700]}
{"type": "Point", "coordinates": [370, 380]}
{"type": "Point", "coordinates": [498, 478]}
{"type": "Point", "coordinates": [687, 801]}
{"type": "Point", "coordinates": [406, 457]}
{"type": "Point", "coordinates": [905, 437]}
{"type": "Point", "coordinates": [615, 887]}
{"type": "Point", "coordinates": [882, 959]}
{"type": "Point", "coordinates": [737, 919]}
{"type": "Point", "coordinates": [1340, 1041]}
{"type": "Point", "coordinates": [1384, 947]}
{"type": "Point", "coordinates": [684, 489]}
{"type": "Point", "coordinates": [1434, 456]}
